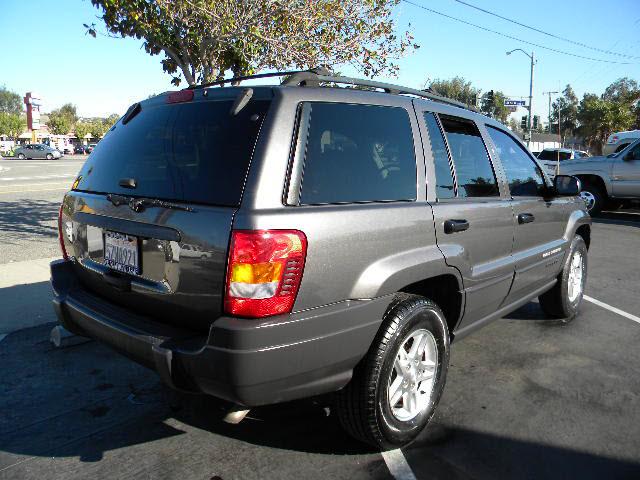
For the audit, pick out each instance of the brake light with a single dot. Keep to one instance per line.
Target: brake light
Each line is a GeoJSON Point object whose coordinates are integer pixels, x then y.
{"type": "Point", "coordinates": [264, 272]}
{"type": "Point", "coordinates": [180, 96]}
{"type": "Point", "coordinates": [60, 237]}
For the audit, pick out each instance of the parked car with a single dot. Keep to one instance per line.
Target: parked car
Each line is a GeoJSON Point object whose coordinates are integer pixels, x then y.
{"type": "Point", "coordinates": [608, 181]}
{"type": "Point", "coordinates": [90, 147]}
{"type": "Point", "coordinates": [550, 158]}
{"type": "Point", "coordinates": [81, 149]}
{"type": "Point", "coordinates": [619, 141]}
{"type": "Point", "coordinates": [193, 251]}
{"type": "Point", "coordinates": [37, 150]}
{"type": "Point", "coordinates": [353, 236]}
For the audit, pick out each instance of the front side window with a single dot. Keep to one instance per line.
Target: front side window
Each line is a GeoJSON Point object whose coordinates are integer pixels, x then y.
{"type": "Point", "coordinates": [358, 153]}
{"type": "Point", "coordinates": [474, 174]}
{"type": "Point", "coordinates": [444, 177]}
{"type": "Point", "coordinates": [523, 175]}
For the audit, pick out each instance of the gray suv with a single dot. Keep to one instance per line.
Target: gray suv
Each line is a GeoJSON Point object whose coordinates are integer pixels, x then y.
{"type": "Point", "coordinates": [348, 237]}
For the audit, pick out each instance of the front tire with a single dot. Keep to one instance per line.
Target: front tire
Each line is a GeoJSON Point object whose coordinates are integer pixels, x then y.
{"type": "Point", "coordinates": [21, 156]}
{"type": "Point", "coordinates": [49, 156]}
{"type": "Point", "coordinates": [563, 300]}
{"type": "Point", "coordinates": [397, 386]}
{"type": "Point", "coordinates": [594, 199]}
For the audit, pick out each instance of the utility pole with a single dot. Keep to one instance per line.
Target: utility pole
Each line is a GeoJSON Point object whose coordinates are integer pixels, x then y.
{"type": "Point", "coordinates": [549, 93]}
{"type": "Point", "coordinates": [533, 62]}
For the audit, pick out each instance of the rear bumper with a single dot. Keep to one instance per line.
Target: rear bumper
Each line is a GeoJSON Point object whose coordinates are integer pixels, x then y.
{"type": "Point", "coordinates": [251, 362]}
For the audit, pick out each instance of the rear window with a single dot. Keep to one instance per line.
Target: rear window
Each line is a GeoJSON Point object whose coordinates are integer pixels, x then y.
{"type": "Point", "coordinates": [192, 152]}
{"type": "Point", "coordinates": [553, 155]}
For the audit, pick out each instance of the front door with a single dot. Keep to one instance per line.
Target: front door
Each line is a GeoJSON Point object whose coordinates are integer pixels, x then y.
{"type": "Point", "coordinates": [473, 220]}
{"type": "Point", "coordinates": [625, 177]}
{"type": "Point", "coordinates": [539, 223]}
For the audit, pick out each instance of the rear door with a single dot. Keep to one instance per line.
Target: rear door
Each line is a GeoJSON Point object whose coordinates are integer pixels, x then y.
{"type": "Point", "coordinates": [539, 222]}
{"type": "Point", "coordinates": [171, 175]}
{"type": "Point", "coordinates": [625, 178]}
{"type": "Point", "coordinates": [473, 221]}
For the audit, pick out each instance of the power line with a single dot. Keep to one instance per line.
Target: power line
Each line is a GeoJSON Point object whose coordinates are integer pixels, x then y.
{"type": "Point", "coordinates": [515, 38]}
{"type": "Point", "coordinates": [609, 52]}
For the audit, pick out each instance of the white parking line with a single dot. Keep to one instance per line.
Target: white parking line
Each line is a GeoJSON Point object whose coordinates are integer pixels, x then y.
{"type": "Point", "coordinates": [38, 177]}
{"type": "Point", "coordinates": [397, 465]}
{"type": "Point", "coordinates": [612, 309]}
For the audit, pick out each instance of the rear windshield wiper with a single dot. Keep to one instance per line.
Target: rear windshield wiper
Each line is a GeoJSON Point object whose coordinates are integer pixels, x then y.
{"type": "Point", "coordinates": [139, 204]}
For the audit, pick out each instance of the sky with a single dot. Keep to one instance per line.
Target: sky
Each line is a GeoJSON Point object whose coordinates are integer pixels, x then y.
{"type": "Point", "coordinates": [46, 50]}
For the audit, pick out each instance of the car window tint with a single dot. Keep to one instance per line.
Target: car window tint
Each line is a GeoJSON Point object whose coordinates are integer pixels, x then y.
{"type": "Point", "coordinates": [193, 152]}
{"type": "Point", "coordinates": [474, 174]}
{"type": "Point", "coordinates": [358, 153]}
{"type": "Point", "coordinates": [444, 178]}
{"type": "Point", "coordinates": [523, 175]}
{"type": "Point", "coordinates": [554, 155]}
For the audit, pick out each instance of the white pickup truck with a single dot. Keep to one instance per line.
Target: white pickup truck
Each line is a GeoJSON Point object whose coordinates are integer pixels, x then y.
{"type": "Point", "coordinates": [610, 180]}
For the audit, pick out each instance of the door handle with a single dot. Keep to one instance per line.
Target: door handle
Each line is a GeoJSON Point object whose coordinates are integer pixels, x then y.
{"type": "Point", "coordinates": [453, 226]}
{"type": "Point", "coordinates": [526, 218]}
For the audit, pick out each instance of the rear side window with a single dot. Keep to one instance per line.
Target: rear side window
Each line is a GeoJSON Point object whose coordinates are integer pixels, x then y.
{"type": "Point", "coordinates": [193, 152]}
{"type": "Point", "coordinates": [554, 155]}
{"type": "Point", "coordinates": [474, 173]}
{"type": "Point", "coordinates": [358, 153]}
{"type": "Point", "coordinates": [444, 178]}
{"type": "Point", "coordinates": [523, 175]}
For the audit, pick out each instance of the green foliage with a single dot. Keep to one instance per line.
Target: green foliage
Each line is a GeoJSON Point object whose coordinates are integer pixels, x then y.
{"type": "Point", "coordinates": [456, 88]}
{"type": "Point", "coordinates": [98, 127]}
{"type": "Point", "coordinates": [599, 118]}
{"type": "Point", "coordinates": [59, 123]}
{"type": "Point", "coordinates": [11, 124]}
{"type": "Point", "coordinates": [10, 102]}
{"type": "Point", "coordinates": [495, 107]}
{"type": "Point", "coordinates": [203, 39]}
{"type": "Point", "coordinates": [69, 110]}
{"type": "Point", "coordinates": [81, 130]}
{"type": "Point", "coordinates": [568, 105]}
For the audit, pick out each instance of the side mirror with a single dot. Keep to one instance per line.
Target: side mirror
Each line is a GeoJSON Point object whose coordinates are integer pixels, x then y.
{"type": "Point", "coordinates": [567, 185]}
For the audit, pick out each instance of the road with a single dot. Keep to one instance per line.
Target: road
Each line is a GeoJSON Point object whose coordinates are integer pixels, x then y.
{"type": "Point", "coordinates": [525, 398]}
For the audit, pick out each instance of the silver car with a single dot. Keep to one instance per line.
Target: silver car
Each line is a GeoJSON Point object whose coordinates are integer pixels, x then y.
{"type": "Point", "coordinates": [551, 158]}
{"type": "Point", "coordinates": [37, 150]}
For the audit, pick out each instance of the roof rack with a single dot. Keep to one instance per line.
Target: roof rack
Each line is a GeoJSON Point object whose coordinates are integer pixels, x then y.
{"type": "Point", "coordinates": [315, 76]}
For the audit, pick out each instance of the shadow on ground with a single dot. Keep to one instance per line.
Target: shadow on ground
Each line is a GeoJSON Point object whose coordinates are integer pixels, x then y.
{"type": "Point", "coordinates": [86, 401]}
{"type": "Point", "coordinates": [28, 219]}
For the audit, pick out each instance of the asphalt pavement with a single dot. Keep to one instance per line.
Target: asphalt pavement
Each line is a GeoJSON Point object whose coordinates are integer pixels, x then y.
{"type": "Point", "coordinates": [525, 398]}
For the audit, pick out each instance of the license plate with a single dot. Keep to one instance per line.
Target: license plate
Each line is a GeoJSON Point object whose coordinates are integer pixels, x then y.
{"type": "Point", "coordinates": [121, 252]}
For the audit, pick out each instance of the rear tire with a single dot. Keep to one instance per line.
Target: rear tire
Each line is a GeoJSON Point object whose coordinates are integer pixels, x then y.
{"type": "Point", "coordinates": [594, 199]}
{"type": "Point", "coordinates": [563, 300]}
{"type": "Point", "coordinates": [387, 409]}
{"type": "Point", "coordinates": [21, 156]}
{"type": "Point", "coordinates": [49, 156]}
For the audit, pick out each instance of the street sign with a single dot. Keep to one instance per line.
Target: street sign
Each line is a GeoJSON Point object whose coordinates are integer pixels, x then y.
{"type": "Point", "coordinates": [514, 103]}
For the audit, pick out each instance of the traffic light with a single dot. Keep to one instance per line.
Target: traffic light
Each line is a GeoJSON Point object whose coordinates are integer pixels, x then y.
{"type": "Point", "coordinates": [523, 122]}
{"type": "Point", "coordinates": [490, 97]}
{"type": "Point", "coordinates": [536, 121]}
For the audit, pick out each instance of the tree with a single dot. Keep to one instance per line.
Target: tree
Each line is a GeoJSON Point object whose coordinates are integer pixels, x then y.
{"type": "Point", "coordinates": [599, 118]}
{"type": "Point", "coordinates": [456, 88]}
{"type": "Point", "coordinates": [98, 127]}
{"type": "Point", "coordinates": [494, 107]}
{"type": "Point", "coordinates": [203, 39]}
{"type": "Point", "coordinates": [81, 130]}
{"type": "Point", "coordinates": [11, 124]}
{"type": "Point", "coordinates": [514, 125]}
{"type": "Point", "coordinates": [10, 102]}
{"type": "Point", "coordinates": [59, 122]}
{"type": "Point", "coordinates": [568, 107]}
{"type": "Point", "coordinates": [623, 90]}
{"type": "Point", "coordinates": [111, 120]}
{"type": "Point", "coordinates": [69, 110]}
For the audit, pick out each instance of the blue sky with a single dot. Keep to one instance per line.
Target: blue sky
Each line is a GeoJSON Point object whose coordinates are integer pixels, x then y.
{"type": "Point", "coordinates": [51, 55]}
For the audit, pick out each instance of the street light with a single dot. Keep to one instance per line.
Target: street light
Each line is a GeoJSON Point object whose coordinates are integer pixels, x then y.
{"type": "Point", "coordinates": [533, 61]}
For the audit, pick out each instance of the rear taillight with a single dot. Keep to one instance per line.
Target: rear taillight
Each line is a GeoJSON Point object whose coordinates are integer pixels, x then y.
{"type": "Point", "coordinates": [60, 237]}
{"type": "Point", "coordinates": [264, 272]}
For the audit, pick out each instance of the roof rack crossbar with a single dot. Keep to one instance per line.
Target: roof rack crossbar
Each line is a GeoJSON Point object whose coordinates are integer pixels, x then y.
{"type": "Point", "coordinates": [246, 77]}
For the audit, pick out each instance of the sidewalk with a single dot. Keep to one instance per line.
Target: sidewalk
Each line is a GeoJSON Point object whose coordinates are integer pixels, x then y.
{"type": "Point", "coordinates": [25, 295]}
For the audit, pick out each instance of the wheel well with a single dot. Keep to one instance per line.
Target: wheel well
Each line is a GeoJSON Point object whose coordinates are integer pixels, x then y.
{"type": "Point", "coordinates": [593, 180]}
{"type": "Point", "coordinates": [444, 290]}
{"type": "Point", "coordinates": [585, 232]}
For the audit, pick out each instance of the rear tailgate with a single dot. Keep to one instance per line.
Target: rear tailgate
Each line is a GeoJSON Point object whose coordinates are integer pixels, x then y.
{"type": "Point", "coordinates": [149, 220]}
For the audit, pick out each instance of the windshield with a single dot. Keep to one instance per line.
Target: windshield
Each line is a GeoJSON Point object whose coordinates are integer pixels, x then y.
{"type": "Point", "coordinates": [193, 152]}
{"type": "Point", "coordinates": [553, 155]}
